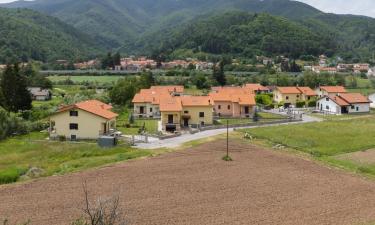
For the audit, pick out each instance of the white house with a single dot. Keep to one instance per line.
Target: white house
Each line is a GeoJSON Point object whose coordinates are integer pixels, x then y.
{"type": "Point", "coordinates": [344, 103]}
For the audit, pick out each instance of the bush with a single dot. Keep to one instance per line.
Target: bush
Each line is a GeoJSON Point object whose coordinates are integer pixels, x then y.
{"type": "Point", "coordinates": [300, 104]}
{"type": "Point", "coordinates": [10, 175]}
{"type": "Point", "coordinates": [312, 103]}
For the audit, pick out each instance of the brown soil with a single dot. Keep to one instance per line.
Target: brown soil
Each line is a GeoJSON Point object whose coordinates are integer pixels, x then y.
{"type": "Point", "coordinates": [195, 186]}
{"type": "Point", "coordinates": [365, 157]}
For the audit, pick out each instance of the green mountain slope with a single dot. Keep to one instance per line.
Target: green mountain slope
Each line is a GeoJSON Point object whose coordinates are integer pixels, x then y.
{"type": "Point", "coordinates": [115, 22]}
{"type": "Point", "coordinates": [242, 34]}
{"type": "Point", "coordinates": [26, 34]}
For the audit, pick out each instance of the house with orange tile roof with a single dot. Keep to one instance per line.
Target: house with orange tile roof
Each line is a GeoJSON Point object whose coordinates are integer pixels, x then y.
{"type": "Point", "coordinates": [84, 120]}
{"type": "Point", "coordinates": [291, 95]}
{"type": "Point", "coordinates": [184, 111]}
{"type": "Point", "coordinates": [146, 101]}
{"type": "Point", "coordinates": [329, 90]}
{"type": "Point", "coordinates": [344, 103]}
{"type": "Point", "coordinates": [258, 88]}
{"type": "Point", "coordinates": [233, 101]}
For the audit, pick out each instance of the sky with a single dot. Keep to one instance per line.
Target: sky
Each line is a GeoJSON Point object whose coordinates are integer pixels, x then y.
{"type": "Point", "coordinates": [357, 7]}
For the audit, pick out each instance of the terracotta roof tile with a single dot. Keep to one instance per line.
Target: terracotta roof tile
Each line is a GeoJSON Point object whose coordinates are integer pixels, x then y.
{"type": "Point", "coordinates": [307, 91]}
{"type": "Point", "coordinates": [92, 106]}
{"type": "Point", "coordinates": [256, 87]}
{"type": "Point", "coordinates": [288, 90]}
{"type": "Point", "coordinates": [333, 89]}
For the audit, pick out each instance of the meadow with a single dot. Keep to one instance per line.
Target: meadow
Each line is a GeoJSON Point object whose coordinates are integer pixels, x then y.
{"type": "Point", "coordinates": [19, 154]}
{"type": "Point", "coordinates": [80, 79]}
{"type": "Point", "coordinates": [328, 141]}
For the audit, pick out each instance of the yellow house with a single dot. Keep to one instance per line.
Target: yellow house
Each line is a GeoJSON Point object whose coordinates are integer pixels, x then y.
{"type": "Point", "coordinates": [146, 101]}
{"type": "Point", "coordinates": [185, 111]}
{"type": "Point", "coordinates": [84, 120]}
{"type": "Point", "coordinates": [291, 95]}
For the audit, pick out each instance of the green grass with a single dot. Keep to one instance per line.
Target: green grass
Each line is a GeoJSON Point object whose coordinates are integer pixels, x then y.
{"type": "Point", "coordinates": [326, 141]}
{"type": "Point", "coordinates": [151, 125]}
{"type": "Point", "coordinates": [79, 79]}
{"type": "Point", "coordinates": [18, 154]}
{"type": "Point", "coordinates": [325, 138]}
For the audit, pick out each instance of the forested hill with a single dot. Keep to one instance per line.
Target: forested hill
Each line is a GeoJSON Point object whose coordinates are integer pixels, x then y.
{"type": "Point", "coordinates": [27, 34]}
{"type": "Point", "coordinates": [116, 22]}
{"type": "Point", "coordinates": [242, 34]}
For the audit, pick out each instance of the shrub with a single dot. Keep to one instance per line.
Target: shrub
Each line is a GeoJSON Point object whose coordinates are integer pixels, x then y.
{"type": "Point", "coordinates": [363, 169]}
{"type": "Point", "coordinates": [300, 104]}
{"type": "Point", "coordinates": [312, 103]}
{"type": "Point", "coordinates": [62, 138]}
{"type": "Point", "coordinates": [10, 175]}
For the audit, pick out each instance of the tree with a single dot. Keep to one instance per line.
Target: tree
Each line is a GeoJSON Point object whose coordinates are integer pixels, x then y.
{"type": "Point", "coordinates": [34, 78]}
{"type": "Point", "coordinates": [147, 80]}
{"type": "Point", "coordinates": [117, 59]}
{"type": "Point", "coordinates": [218, 74]}
{"type": "Point", "coordinates": [124, 90]}
{"type": "Point", "coordinates": [14, 89]}
{"type": "Point", "coordinates": [200, 81]}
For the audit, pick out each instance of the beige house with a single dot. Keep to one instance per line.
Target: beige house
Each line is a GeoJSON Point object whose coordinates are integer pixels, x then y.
{"type": "Point", "coordinates": [329, 90]}
{"type": "Point", "coordinates": [147, 101]}
{"type": "Point", "coordinates": [291, 95]}
{"type": "Point", "coordinates": [233, 101]}
{"type": "Point", "coordinates": [84, 120]}
{"type": "Point", "coordinates": [185, 111]}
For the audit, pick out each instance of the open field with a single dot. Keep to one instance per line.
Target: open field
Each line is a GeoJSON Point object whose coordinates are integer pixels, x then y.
{"type": "Point", "coordinates": [337, 141]}
{"type": "Point", "coordinates": [79, 79]}
{"type": "Point", "coordinates": [18, 154]}
{"type": "Point", "coordinates": [195, 186]}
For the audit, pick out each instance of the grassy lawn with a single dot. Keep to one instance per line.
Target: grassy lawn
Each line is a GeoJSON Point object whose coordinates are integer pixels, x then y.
{"type": "Point", "coordinates": [78, 79]}
{"type": "Point", "coordinates": [328, 141]}
{"type": "Point", "coordinates": [18, 154]}
{"type": "Point", "coordinates": [151, 125]}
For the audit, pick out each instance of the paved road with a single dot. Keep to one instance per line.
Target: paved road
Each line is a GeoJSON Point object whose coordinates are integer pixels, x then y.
{"type": "Point", "coordinates": [177, 141]}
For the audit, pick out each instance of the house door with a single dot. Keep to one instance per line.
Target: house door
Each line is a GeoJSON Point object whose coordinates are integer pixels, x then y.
{"type": "Point", "coordinates": [141, 110]}
{"type": "Point", "coordinates": [246, 109]}
{"type": "Point", "coordinates": [344, 110]}
{"type": "Point", "coordinates": [170, 119]}
{"type": "Point", "coordinates": [186, 122]}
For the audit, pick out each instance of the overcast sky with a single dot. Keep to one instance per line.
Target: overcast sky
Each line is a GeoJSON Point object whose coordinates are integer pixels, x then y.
{"type": "Point", "coordinates": [358, 7]}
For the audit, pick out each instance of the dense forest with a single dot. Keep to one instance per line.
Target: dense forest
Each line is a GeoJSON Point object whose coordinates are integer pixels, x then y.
{"type": "Point", "coordinates": [242, 34]}
{"type": "Point", "coordinates": [148, 26]}
{"type": "Point", "coordinates": [29, 35]}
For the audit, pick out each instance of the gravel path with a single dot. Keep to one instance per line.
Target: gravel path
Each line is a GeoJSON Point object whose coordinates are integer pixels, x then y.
{"type": "Point", "coordinates": [195, 187]}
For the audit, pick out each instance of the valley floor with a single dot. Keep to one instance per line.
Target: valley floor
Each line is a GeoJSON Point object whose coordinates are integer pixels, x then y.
{"type": "Point", "coordinates": [195, 186]}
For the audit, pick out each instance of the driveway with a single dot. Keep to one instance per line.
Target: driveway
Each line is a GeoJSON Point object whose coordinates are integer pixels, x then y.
{"type": "Point", "coordinates": [178, 141]}
{"type": "Point", "coordinates": [196, 187]}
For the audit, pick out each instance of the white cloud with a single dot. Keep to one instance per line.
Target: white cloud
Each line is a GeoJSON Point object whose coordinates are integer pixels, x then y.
{"type": "Point", "coordinates": [357, 7]}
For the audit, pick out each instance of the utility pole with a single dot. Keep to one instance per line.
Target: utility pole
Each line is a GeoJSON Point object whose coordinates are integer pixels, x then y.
{"type": "Point", "coordinates": [227, 138]}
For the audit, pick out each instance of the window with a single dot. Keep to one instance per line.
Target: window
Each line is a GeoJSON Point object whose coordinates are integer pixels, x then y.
{"type": "Point", "coordinates": [327, 99]}
{"type": "Point", "coordinates": [219, 107]}
{"type": "Point", "coordinates": [73, 126]}
{"type": "Point", "coordinates": [287, 97]}
{"type": "Point", "coordinates": [327, 107]}
{"type": "Point", "coordinates": [228, 107]}
{"type": "Point", "coordinates": [201, 114]}
{"type": "Point", "coordinates": [297, 96]}
{"type": "Point", "coordinates": [186, 112]}
{"type": "Point", "coordinates": [74, 113]}
{"type": "Point", "coordinates": [357, 109]}
{"type": "Point", "coordinates": [352, 107]}
{"type": "Point", "coordinates": [150, 110]}
{"type": "Point", "coordinates": [308, 98]}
